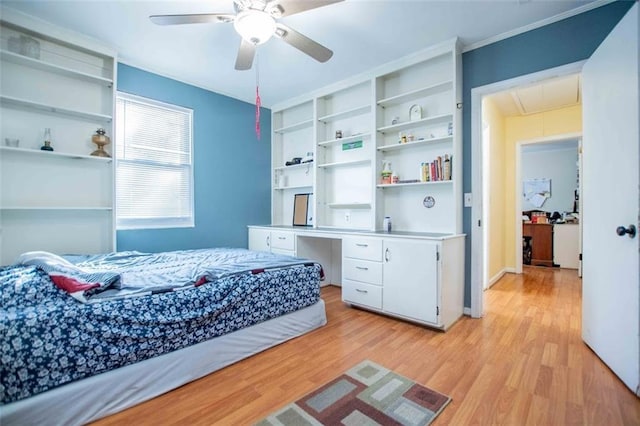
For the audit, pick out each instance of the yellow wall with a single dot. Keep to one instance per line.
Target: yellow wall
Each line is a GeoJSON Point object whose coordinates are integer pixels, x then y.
{"type": "Point", "coordinates": [492, 117]}
{"type": "Point", "coordinates": [534, 126]}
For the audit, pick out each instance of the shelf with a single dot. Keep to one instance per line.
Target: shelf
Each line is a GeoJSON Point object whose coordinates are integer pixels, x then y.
{"type": "Point", "coordinates": [416, 94]}
{"type": "Point", "coordinates": [282, 188]}
{"type": "Point", "coordinates": [343, 163]}
{"type": "Point", "coordinates": [391, 185]}
{"type": "Point", "coordinates": [345, 114]}
{"type": "Point", "coordinates": [5, 55]}
{"type": "Point", "coordinates": [294, 127]}
{"type": "Point", "coordinates": [352, 138]}
{"type": "Point", "coordinates": [294, 166]}
{"type": "Point", "coordinates": [417, 123]}
{"type": "Point", "coordinates": [54, 154]}
{"type": "Point", "coordinates": [415, 143]}
{"type": "Point", "coordinates": [11, 101]}
{"type": "Point", "coordinates": [41, 208]}
{"type": "Point", "coordinates": [354, 205]}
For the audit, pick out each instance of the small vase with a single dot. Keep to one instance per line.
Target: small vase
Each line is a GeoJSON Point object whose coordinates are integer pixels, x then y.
{"type": "Point", "coordinates": [47, 140]}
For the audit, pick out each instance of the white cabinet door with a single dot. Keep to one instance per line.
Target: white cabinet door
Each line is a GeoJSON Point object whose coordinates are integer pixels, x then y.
{"type": "Point", "coordinates": [410, 279]}
{"type": "Point", "coordinates": [259, 239]}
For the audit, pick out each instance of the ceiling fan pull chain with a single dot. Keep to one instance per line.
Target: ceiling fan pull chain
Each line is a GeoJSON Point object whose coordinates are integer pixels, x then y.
{"type": "Point", "coordinates": [257, 98]}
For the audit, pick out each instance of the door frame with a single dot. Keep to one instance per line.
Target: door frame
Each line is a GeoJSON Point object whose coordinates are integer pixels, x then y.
{"type": "Point", "coordinates": [518, 184]}
{"type": "Point", "coordinates": [477, 217]}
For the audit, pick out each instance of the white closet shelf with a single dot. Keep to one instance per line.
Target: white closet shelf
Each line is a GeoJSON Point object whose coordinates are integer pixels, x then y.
{"type": "Point", "coordinates": [416, 123]}
{"type": "Point", "coordinates": [354, 205]}
{"type": "Point", "coordinates": [282, 188]}
{"type": "Point", "coordinates": [416, 94]}
{"type": "Point", "coordinates": [343, 163]}
{"type": "Point", "coordinates": [56, 154]}
{"type": "Point", "coordinates": [294, 127]}
{"type": "Point", "coordinates": [5, 55]}
{"type": "Point", "coordinates": [346, 114]}
{"type": "Point", "coordinates": [352, 138]}
{"type": "Point", "coordinates": [44, 208]}
{"type": "Point", "coordinates": [295, 166]}
{"type": "Point", "coordinates": [17, 102]}
{"type": "Point", "coordinates": [393, 185]}
{"type": "Point", "coordinates": [420, 142]}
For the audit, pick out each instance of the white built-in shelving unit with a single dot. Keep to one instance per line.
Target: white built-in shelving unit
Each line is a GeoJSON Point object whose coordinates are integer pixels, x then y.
{"type": "Point", "coordinates": [353, 126]}
{"type": "Point", "coordinates": [60, 201]}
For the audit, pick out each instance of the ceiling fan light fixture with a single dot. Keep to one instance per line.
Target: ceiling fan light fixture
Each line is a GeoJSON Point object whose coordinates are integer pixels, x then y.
{"type": "Point", "coordinates": [255, 26]}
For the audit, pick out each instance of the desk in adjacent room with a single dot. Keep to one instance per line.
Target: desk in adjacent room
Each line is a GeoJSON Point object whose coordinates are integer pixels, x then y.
{"type": "Point", "coordinates": [541, 242]}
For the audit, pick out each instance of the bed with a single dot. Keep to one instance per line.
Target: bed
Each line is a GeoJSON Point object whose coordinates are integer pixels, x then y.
{"type": "Point", "coordinates": [82, 337]}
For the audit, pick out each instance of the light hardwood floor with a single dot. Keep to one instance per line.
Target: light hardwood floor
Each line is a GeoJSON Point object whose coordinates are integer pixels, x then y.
{"type": "Point", "coordinates": [523, 363]}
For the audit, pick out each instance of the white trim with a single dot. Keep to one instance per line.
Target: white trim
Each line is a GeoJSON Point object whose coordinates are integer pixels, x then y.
{"type": "Point", "coordinates": [477, 93]}
{"type": "Point", "coordinates": [535, 25]}
{"type": "Point", "coordinates": [466, 311]}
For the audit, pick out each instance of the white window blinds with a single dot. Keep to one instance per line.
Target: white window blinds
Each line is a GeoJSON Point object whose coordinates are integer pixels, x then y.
{"type": "Point", "coordinates": [154, 170]}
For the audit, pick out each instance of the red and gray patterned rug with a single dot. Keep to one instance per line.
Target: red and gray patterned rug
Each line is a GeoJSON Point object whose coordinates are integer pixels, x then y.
{"type": "Point", "coordinates": [367, 394]}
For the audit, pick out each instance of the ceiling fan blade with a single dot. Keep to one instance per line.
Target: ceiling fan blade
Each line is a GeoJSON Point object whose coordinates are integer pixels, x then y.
{"type": "Point", "coordinates": [197, 18]}
{"type": "Point", "coordinates": [303, 43]}
{"type": "Point", "coordinates": [289, 7]}
{"type": "Point", "coordinates": [246, 52]}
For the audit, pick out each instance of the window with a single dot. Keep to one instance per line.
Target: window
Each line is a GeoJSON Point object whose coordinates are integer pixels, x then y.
{"type": "Point", "coordinates": [154, 166]}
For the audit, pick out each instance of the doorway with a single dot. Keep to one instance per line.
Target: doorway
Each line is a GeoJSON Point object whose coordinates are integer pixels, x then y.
{"type": "Point", "coordinates": [485, 187]}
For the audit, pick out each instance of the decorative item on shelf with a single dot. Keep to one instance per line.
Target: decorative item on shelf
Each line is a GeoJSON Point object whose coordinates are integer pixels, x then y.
{"type": "Point", "coordinates": [338, 134]}
{"type": "Point", "coordinates": [100, 139]}
{"type": "Point", "coordinates": [386, 224]}
{"type": "Point", "coordinates": [402, 138]}
{"type": "Point", "coordinates": [294, 161]}
{"type": "Point", "coordinates": [386, 173]}
{"type": "Point", "coordinates": [415, 112]}
{"type": "Point", "coordinates": [429, 201]}
{"type": "Point", "coordinates": [47, 140]}
{"type": "Point", "coordinates": [396, 120]}
{"type": "Point", "coordinates": [308, 158]}
{"type": "Point", "coordinates": [450, 129]}
{"type": "Point", "coordinates": [25, 46]}
{"type": "Point", "coordinates": [12, 142]}
{"type": "Point", "coordinates": [395, 178]}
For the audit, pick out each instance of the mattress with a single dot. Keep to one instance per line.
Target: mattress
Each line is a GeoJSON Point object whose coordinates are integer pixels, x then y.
{"type": "Point", "coordinates": [49, 339]}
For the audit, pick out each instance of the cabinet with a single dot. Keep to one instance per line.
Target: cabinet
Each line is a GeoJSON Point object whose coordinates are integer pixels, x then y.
{"type": "Point", "coordinates": [566, 245]}
{"type": "Point", "coordinates": [60, 201]}
{"type": "Point", "coordinates": [417, 279]}
{"type": "Point", "coordinates": [541, 242]}
{"type": "Point", "coordinates": [275, 241]}
{"type": "Point", "coordinates": [353, 126]}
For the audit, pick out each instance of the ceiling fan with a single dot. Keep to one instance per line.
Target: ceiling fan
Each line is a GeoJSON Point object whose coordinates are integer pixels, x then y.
{"type": "Point", "coordinates": [257, 21]}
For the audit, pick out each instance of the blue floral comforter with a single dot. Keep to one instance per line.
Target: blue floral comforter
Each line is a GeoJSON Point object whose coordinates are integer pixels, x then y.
{"type": "Point", "coordinates": [48, 338]}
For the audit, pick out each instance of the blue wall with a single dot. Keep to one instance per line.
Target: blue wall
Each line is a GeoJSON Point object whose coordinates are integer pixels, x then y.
{"type": "Point", "coordinates": [232, 177]}
{"type": "Point", "coordinates": [570, 40]}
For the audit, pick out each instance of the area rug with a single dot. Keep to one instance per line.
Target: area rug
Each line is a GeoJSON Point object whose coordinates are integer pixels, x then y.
{"type": "Point", "coordinates": [367, 394]}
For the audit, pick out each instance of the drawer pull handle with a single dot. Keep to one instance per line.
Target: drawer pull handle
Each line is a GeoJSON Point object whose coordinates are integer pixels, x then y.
{"type": "Point", "coordinates": [282, 238]}
{"type": "Point", "coordinates": [362, 245]}
{"type": "Point", "coordinates": [361, 291]}
{"type": "Point", "coordinates": [362, 268]}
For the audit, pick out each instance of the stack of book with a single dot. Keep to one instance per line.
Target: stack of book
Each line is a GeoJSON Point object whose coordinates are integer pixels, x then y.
{"type": "Point", "coordinates": [436, 170]}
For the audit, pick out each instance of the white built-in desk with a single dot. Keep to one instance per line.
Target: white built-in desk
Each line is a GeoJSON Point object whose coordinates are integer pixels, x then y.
{"type": "Point", "coordinates": [416, 276]}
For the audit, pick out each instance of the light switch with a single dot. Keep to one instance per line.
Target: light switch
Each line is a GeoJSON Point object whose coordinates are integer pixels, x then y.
{"type": "Point", "coordinates": [467, 199]}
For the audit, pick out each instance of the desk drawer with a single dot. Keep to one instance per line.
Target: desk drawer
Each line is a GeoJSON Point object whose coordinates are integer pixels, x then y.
{"type": "Point", "coordinates": [362, 294]}
{"type": "Point", "coordinates": [363, 248]}
{"type": "Point", "coordinates": [282, 240]}
{"type": "Point", "coordinates": [362, 270]}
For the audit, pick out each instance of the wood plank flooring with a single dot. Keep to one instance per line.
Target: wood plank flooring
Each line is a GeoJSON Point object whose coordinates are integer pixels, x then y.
{"type": "Point", "coordinates": [523, 363]}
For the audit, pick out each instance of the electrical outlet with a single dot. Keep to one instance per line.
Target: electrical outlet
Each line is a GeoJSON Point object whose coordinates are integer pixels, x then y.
{"type": "Point", "coordinates": [347, 217]}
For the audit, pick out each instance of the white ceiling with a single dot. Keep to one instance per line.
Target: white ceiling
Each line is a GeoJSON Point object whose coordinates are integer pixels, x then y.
{"type": "Point", "coordinates": [362, 33]}
{"type": "Point", "coordinates": [547, 95]}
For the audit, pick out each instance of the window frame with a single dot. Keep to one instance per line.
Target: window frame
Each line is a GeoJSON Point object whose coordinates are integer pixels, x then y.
{"type": "Point", "coordinates": [162, 222]}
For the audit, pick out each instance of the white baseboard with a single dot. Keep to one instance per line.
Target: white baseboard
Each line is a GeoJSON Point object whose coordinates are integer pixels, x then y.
{"type": "Point", "coordinates": [466, 311]}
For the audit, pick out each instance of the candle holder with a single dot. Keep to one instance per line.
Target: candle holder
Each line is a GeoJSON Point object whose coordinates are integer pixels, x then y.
{"type": "Point", "coordinates": [100, 139]}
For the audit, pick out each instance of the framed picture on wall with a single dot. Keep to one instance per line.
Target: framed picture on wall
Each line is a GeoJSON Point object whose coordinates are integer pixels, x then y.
{"type": "Point", "coordinates": [302, 208]}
